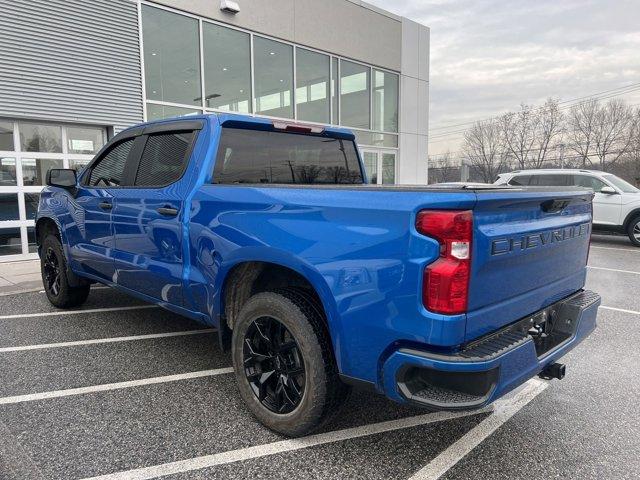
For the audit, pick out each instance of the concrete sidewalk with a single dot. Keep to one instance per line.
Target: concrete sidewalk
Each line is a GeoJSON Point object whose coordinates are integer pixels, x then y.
{"type": "Point", "coordinates": [16, 276]}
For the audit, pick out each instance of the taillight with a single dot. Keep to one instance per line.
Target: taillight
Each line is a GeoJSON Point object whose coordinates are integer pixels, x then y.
{"type": "Point", "coordinates": [445, 287]}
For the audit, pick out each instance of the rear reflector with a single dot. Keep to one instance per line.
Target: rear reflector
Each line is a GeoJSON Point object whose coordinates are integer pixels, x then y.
{"type": "Point", "coordinates": [445, 287]}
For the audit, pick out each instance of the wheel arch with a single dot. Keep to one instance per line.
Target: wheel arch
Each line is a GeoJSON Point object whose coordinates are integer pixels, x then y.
{"type": "Point", "coordinates": [635, 213]}
{"type": "Point", "coordinates": [246, 277]}
{"type": "Point", "coordinates": [45, 225]}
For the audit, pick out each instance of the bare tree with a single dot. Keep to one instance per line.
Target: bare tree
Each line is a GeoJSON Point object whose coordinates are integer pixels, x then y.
{"type": "Point", "coordinates": [634, 135]}
{"type": "Point", "coordinates": [484, 150]}
{"type": "Point", "coordinates": [581, 125]}
{"type": "Point", "coordinates": [444, 168]}
{"type": "Point", "coordinates": [550, 128]}
{"type": "Point", "coordinates": [518, 132]}
{"type": "Point", "coordinates": [613, 135]}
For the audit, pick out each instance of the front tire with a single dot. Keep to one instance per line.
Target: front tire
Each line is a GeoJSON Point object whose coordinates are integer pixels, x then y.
{"type": "Point", "coordinates": [53, 267]}
{"type": "Point", "coordinates": [284, 363]}
{"type": "Point", "coordinates": [633, 231]}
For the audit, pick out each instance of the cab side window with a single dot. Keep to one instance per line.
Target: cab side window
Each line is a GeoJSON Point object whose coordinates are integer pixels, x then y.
{"type": "Point", "coordinates": [164, 158]}
{"type": "Point", "coordinates": [108, 171]}
{"type": "Point", "coordinates": [587, 181]}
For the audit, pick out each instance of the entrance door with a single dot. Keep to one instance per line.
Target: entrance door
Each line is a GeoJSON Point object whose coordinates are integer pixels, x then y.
{"type": "Point", "coordinates": [380, 166]}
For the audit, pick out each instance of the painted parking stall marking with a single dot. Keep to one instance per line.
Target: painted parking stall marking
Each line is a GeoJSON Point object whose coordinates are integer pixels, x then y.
{"type": "Point", "coordinates": [282, 446]}
{"type": "Point", "coordinates": [505, 408]}
{"type": "Point", "coordinates": [97, 341]}
{"type": "Point", "coordinates": [503, 411]}
{"type": "Point", "coordinates": [623, 310]}
{"type": "Point", "coordinates": [613, 270]}
{"type": "Point", "coordinates": [622, 249]}
{"type": "Point", "coordinates": [76, 312]}
{"type": "Point", "coordinates": [112, 386]}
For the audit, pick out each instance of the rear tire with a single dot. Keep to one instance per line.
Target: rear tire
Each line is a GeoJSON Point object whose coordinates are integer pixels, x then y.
{"type": "Point", "coordinates": [53, 267]}
{"type": "Point", "coordinates": [284, 363]}
{"type": "Point", "coordinates": [633, 231]}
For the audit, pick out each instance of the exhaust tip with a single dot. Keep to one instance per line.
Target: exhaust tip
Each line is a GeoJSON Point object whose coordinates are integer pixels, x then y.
{"type": "Point", "coordinates": [553, 370]}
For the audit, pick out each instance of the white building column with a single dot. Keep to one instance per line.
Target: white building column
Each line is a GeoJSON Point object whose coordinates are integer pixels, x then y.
{"type": "Point", "coordinates": [414, 103]}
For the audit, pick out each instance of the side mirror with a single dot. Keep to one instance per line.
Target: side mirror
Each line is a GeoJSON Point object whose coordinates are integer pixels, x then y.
{"type": "Point", "coordinates": [608, 190]}
{"type": "Point", "coordinates": [62, 178]}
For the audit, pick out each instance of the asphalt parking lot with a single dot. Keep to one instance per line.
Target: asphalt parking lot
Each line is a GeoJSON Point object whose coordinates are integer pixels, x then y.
{"type": "Point", "coordinates": [123, 390]}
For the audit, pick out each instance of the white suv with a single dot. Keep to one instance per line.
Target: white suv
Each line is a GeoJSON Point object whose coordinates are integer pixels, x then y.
{"type": "Point", "coordinates": [616, 204]}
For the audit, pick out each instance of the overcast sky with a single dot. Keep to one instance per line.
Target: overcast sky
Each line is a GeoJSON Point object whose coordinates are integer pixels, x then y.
{"type": "Point", "coordinates": [488, 56]}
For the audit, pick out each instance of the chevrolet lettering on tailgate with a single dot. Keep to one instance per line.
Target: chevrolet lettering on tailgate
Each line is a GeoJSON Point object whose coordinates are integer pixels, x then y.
{"type": "Point", "coordinates": [537, 240]}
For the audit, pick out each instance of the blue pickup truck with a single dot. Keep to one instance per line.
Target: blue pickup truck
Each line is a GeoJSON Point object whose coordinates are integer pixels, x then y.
{"type": "Point", "coordinates": [446, 298]}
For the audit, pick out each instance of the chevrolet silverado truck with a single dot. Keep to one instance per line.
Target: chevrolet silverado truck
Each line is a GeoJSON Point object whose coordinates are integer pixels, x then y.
{"type": "Point", "coordinates": [316, 281]}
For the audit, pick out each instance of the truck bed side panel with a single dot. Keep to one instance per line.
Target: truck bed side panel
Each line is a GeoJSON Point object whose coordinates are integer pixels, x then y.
{"type": "Point", "coordinates": [357, 247]}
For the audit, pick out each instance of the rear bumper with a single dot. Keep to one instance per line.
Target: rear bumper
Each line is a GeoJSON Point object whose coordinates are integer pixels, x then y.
{"type": "Point", "coordinates": [490, 367]}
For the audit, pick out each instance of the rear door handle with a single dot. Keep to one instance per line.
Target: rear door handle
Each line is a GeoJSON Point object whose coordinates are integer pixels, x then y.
{"type": "Point", "coordinates": [105, 205]}
{"type": "Point", "coordinates": [168, 211]}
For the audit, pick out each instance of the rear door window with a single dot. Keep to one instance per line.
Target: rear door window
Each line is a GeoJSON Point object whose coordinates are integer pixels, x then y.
{"type": "Point", "coordinates": [256, 156]}
{"type": "Point", "coordinates": [551, 180]}
{"type": "Point", "coordinates": [164, 158]}
{"type": "Point", "coordinates": [108, 171]}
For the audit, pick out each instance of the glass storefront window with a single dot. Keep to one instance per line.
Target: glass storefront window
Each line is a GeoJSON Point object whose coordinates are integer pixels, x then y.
{"type": "Point", "coordinates": [388, 168]}
{"type": "Point", "coordinates": [171, 56]}
{"type": "Point", "coordinates": [34, 170]}
{"type": "Point", "coordinates": [9, 207]}
{"type": "Point", "coordinates": [85, 140]}
{"type": "Point", "coordinates": [385, 101]}
{"type": "Point", "coordinates": [8, 172]}
{"type": "Point", "coordinates": [158, 112]}
{"type": "Point", "coordinates": [355, 107]}
{"type": "Point", "coordinates": [227, 68]}
{"type": "Point", "coordinates": [273, 69]}
{"type": "Point", "coordinates": [78, 165]}
{"type": "Point", "coordinates": [334, 90]}
{"type": "Point", "coordinates": [312, 86]}
{"type": "Point", "coordinates": [6, 136]}
{"type": "Point", "coordinates": [40, 138]}
{"type": "Point", "coordinates": [10, 242]}
{"type": "Point", "coordinates": [40, 148]}
{"type": "Point", "coordinates": [31, 201]}
{"type": "Point", "coordinates": [370, 160]}
{"type": "Point", "coordinates": [31, 240]}
{"type": "Point", "coordinates": [375, 139]}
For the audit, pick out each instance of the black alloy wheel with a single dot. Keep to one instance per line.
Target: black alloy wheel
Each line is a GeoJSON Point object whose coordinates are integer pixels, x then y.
{"type": "Point", "coordinates": [51, 270]}
{"type": "Point", "coordinates": [273, 365]}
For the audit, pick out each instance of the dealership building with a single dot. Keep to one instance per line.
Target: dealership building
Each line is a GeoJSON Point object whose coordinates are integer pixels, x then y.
{"type": "Point", "coordinates": [75, 72]}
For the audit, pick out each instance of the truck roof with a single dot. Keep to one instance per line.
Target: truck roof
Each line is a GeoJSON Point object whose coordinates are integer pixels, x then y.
{"type": "Point", "coordinates": [255, 122]}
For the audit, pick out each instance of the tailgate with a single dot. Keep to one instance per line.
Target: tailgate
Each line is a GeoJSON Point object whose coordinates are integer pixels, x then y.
{"type": "Point", "coordinates": [529, 250]}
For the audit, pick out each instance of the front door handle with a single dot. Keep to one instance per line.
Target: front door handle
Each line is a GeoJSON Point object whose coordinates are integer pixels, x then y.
{"type": "Point", "coordinates": [105, 205]}
{"type": "Point", "coordinates": [168, 211]}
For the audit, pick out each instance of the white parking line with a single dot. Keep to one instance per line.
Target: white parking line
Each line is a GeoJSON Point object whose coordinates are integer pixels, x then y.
{"type": "Point", "coordinates": [637, 250]}
{"type": "Point", "coordinates": [613, 270]}
{"type": "Point", "coordinates": [104, 340]}
{"type": "Point", "coordinates": [282, 446]}
{"type": "Point", "coordinates": [615, 309]}
{"type": "Point", "coordinates": [511, 403]}
{"type": "Point", "coordinates": [503, 411]}
{"type": "Point", "coordinates": [112, 386]}
{"type": "Point", "coordinates": [76, 312]}
{"type": "Point", "coordinates": [40, 290]}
